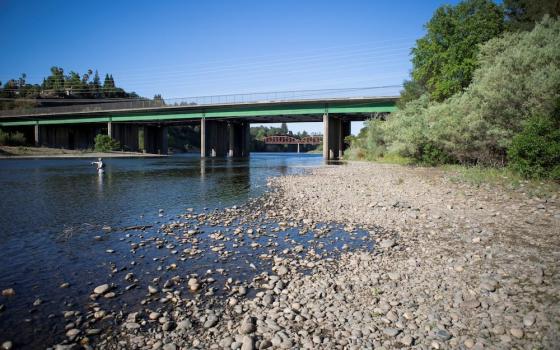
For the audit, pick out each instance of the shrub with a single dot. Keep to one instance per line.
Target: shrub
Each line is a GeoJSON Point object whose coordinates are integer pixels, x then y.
{"type": "Point", "coordinates": [104, 143]}
{"type": "Point", "coordinates": [12, 139]}
{"type": "Point", "coordinates": [535, 152]}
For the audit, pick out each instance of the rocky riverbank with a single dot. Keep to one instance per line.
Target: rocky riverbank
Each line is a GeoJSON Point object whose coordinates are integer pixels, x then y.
{"type": "Point", "coordinates": [17, 152]}
{"type": "Point", "coordinates": [454, 266]}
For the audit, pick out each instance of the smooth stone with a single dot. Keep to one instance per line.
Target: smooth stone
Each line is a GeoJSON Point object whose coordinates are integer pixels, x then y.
{"type": "Point", "coordinates": [72, 333]}
{"type": "Point", "coordinates": [247, 326]}
{"type": "Point", "coordinates": [529, 320]}
{"type": "Point", "coordinates": [387, 243]}
{"type": "Point", "coordinates": [170, 346]}
{"type": "Point", "coordinates": [248, 343]}
{"type": "Point", "coordinates": [516, 332]}
{"type": "Point", "coordinates": [7, 345]}
{"type": "Point", "coordinates": [282, 270]}
{"type": "Point", "coordinates": [211, 321]}
{"type": "Point", "coordinates": [101, 289]}
{"type": "Point", "coordinates": [407, 340]}
{"type": "Point", "coordinates": [391, 332]}
{"type": "Point", "coordinates": [443, 334]}
{"type": "Point", "coordinates": [152, 290]}
{"type": "Point", "coordinates": [9, 292]}
{"type": "Point", "coordinates": [488, 285]}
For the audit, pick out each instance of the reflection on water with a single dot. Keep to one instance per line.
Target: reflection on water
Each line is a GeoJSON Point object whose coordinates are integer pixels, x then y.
{"type": "Point", "coordinates": [50, 209]}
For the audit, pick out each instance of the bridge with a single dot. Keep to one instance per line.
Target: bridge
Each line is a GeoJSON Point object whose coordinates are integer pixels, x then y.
{"type": "Point", "coordinates": [290, 140]}
{"type": "Point", "coordinates": [224, 125]}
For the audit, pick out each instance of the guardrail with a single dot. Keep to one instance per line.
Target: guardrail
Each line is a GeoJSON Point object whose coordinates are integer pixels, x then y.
{"type": "Point", "coordinates": [261, 97]}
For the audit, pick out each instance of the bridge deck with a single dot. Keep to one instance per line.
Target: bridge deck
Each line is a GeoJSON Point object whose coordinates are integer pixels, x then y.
{"type": "Point", "coordinates": [359, 108]}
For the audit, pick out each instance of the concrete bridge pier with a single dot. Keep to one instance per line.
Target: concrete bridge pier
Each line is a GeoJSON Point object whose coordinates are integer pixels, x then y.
{"type": "Point", "coordinates": [155, 139]}
{"type": "Point", "coordinates": [335, 131]}
{"type": "Point", "coordinates": [219, 138]}
{"type": "Point", "coordinates": [66, 136]}
{"type": "Point", "coordinates": [126, 134]}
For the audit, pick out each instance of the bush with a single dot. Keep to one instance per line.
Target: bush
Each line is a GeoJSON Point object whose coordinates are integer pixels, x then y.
{"type": "Point", "coordinates": [12, 139]}
{"type": "Point", "coordinates": [535, 152]}
{"type": "Point", "coordinates": [104, 143]}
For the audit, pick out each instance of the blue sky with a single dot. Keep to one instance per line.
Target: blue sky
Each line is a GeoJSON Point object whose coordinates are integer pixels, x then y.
{"type": "Point", "coordinates": [197, 48]}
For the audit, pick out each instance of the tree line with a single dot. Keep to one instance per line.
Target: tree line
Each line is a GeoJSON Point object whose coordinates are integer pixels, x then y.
{"type": "Point", "coordinates": [484, 90]}
{"type": "Point", "coordinates": [60, 87]}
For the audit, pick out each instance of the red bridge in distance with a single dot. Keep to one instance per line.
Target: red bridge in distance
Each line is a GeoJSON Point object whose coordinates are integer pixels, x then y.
{"type": "Point", "coordinates": [290, 140]}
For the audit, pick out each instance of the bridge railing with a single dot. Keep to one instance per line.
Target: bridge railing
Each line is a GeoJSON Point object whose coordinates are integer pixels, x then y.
{"type": "Point", "coordinates": [125, 104]}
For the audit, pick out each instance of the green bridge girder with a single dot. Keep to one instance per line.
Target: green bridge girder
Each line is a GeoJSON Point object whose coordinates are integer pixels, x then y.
{"type": "Point", "coordinates": [360, 108]}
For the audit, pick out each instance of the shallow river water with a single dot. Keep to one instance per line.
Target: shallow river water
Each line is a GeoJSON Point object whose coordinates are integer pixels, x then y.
{"type": "Point", "coordinates": [52, 218]}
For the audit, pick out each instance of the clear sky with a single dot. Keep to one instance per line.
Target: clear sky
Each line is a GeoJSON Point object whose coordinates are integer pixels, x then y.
{"type": "Point", "coordinates": [197, 48]}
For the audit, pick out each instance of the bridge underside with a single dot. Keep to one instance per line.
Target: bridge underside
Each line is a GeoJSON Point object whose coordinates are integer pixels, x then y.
{"type": "Point", "coordinates": [224, 129]}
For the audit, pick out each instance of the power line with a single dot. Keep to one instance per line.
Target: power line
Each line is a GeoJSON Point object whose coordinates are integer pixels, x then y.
{"type": "Point", "coordinates": [309, 92]}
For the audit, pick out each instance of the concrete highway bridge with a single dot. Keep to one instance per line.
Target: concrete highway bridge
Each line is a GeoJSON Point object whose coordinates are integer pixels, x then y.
{"type": "Point", "coordinates": [142, 125]}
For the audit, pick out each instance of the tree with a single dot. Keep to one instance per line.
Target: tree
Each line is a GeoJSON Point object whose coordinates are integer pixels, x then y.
{"type": "Point", "coordinates": [284, 128]}
{"type": "Point", "coordinates": [445, 58]}
{"type": "Point", "coordinates": [524, 14]}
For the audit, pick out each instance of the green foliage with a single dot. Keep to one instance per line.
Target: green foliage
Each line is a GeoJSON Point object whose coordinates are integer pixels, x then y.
{"type": "Point", "coordinates": [518, 77]}
{"type": "Point", "coordinates": [17, 92]}
{"type": "Point", "coordinates": [524, 14]}
{"type": "Point", "coordinates": [535, 152]}
{"type": "Point", "coordinates": [12, 139]}
{"type": "Point", "coordinates": [445, 58]}
{"type": "Point", "coordinates": [105, 143]}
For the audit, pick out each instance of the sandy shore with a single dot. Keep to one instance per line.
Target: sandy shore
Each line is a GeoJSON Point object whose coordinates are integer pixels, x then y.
{"type": "Point", "coordinates": [12, 152]}
{"type": "Point", "coordinates": [455, 266]}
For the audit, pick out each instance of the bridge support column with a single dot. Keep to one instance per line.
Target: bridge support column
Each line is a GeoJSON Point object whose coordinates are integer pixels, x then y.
{"type": "Point", "coordinates": [203, 137]}
{"type": "Point", "coordinates": [155, 139]}
{"type": "Point", "coordinates": [334, 132]}
{"type": "Point", "coordinates": [221, 138]}
{"type": "Point", "coordinates": [126, 134]}
{"type": "Point", "coordinates": [36, 134]}
{"type": "Point", "coordinates": [345, 130]}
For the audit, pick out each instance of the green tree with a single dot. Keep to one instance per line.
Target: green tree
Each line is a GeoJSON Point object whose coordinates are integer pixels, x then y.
{"type": "Point", "coordinates": [524, 14]}
{"type": "Point", "coordinates": [445, 58]}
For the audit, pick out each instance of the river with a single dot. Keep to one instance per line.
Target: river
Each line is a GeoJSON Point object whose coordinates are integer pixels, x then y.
{"type": "Point", "coordinates": [55, 215]}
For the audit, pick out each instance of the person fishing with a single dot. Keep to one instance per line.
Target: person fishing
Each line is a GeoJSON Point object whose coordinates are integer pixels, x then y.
{"type": "Point", "coordinates": [99, 164]}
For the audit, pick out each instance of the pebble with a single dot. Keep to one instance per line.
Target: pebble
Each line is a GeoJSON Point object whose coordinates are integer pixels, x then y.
{"type": "Point", "coordinates": [7, 345]}
{"type": "Point", "coordinates": [387, 243]}
{"type": "Point", "coordinates": [9, 292]}
{"type": "Point", "coordinates": [282, 270]}
{"type": "Point", "coordinates": [101, 289]}
{"type": "Point", "coordinates": [391, 332]}
{"type": "Point", "coordinates": [528, 320]}
{"type": "Point", "coordinates": [170, 346]}
{"type": "Point", "coordinates": [211, 321]}
{"type": "Point", "coordinates": [443, 334]}
{"type": "Point", "coordinates": [516, 332]}
{"type": "Point", "coordinates": [247, 326]}
{"type": "Point", "coordinates": [248, 343]}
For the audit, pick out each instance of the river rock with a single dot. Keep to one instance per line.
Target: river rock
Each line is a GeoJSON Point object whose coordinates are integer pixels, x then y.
{"type": "Point", "coordinates": [101, 289]}
{"type": "Point", "coordinates": [282, 270]}
{"type": "Point", "coordinates": [9, 292]}
{"type": "Point", "coordinates": [516, 332]}
{"type": "Point", "coordinates": [7, 345]}
{"type": "Point", "coordinates": [72, 333]}
{"type": "Point", "coordinates": [391, 332]}
{"type": "Point", "coordinates": [247, 326]}
{"type": "Point", "coordinates": [387, 243]}
{"type": "Point", "coordinates": [193, 284]}
{"type": "Point", "coordinates": [528, 320]}
{"type": "Point", "coordinates": [211, 321]}
{"type": "Point", "coordinates": [248, 343]}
